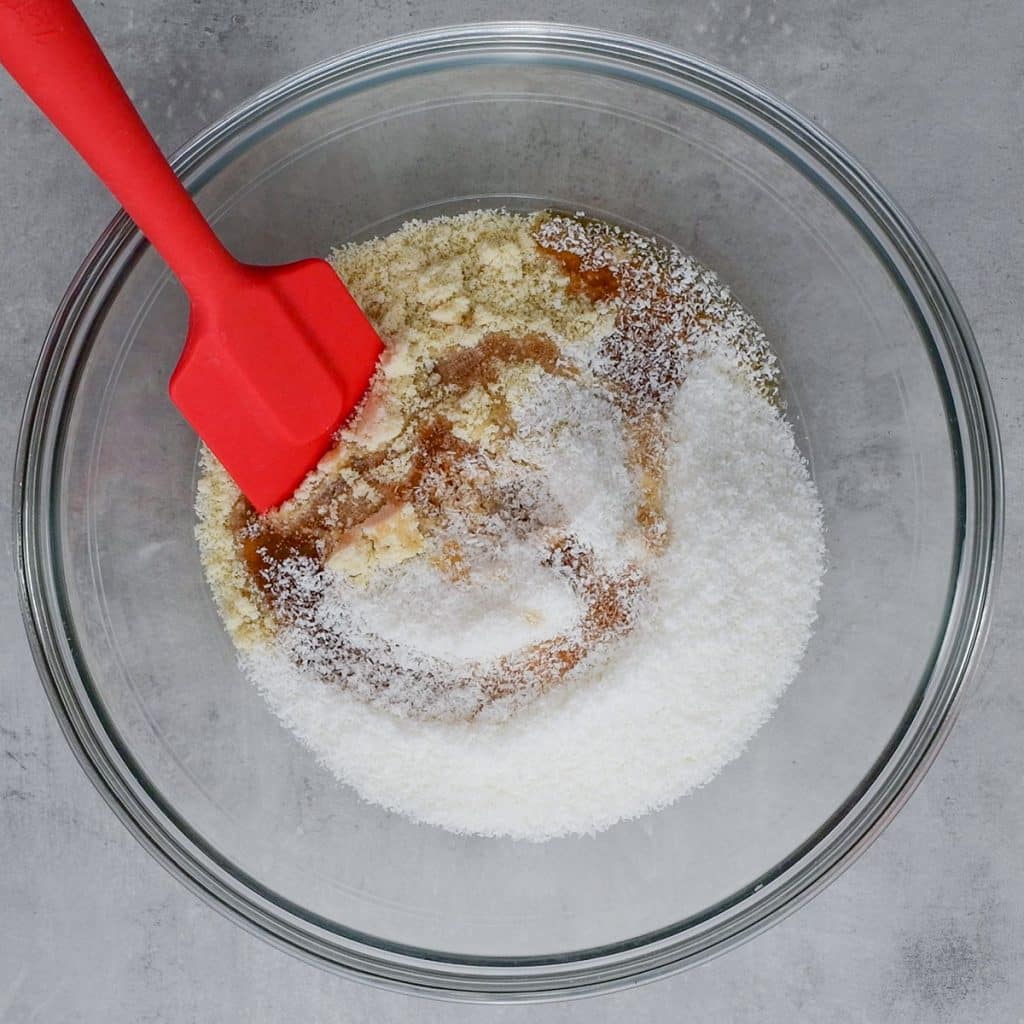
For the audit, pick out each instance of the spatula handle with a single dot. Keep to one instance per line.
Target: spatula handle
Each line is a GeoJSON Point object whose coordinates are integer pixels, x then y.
{"type": "Point", "coordinates": [48, 49]}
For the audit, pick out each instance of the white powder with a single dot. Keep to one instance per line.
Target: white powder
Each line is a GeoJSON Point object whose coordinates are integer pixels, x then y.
{"type": "Point", "coordinates": [726, 617]}
{"type": "Point", "coordinates": [517, 602]}
{"type": "Point", "coordinates": [574, 436]}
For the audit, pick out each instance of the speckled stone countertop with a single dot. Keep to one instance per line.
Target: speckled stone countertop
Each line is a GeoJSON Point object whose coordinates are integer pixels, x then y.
{"type": "Point", "coordinates": [929, 925]}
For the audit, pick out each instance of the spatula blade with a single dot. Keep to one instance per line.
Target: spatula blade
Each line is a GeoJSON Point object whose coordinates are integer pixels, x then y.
{"type": "Point", "coordinates": [267, 377]}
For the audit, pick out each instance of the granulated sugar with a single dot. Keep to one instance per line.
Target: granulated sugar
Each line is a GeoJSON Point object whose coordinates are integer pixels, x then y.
{"type": "Point", "coordinates": [567, 555]}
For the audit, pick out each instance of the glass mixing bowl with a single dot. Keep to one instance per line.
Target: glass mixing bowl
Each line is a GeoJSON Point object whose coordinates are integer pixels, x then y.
{"type": "Point", "coordinates": [884, 387]}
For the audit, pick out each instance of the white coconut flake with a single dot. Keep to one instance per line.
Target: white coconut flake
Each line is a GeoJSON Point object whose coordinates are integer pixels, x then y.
{"type": "Point", "coordinates": [729, 618]}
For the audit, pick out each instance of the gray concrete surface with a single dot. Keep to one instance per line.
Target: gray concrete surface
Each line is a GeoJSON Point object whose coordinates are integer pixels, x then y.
{"type": "Point", "coordinates": [929, 925]}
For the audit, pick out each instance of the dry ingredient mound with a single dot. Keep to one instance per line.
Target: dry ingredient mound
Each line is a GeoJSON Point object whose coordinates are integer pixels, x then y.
{"type": "Point", "coordinates": [564, 558]}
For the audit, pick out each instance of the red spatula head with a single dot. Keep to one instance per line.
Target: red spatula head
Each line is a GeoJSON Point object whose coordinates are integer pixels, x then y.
{"type": "Point", "coordinates": [274, 362]}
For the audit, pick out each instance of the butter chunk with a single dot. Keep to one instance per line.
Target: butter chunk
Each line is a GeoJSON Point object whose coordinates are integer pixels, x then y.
{"type": "Point", "coordinates": [377, 422]}
{"type": "Point", "coordinates": [385, 539]}
{"type": "Point", "coordinates": [452, 311]}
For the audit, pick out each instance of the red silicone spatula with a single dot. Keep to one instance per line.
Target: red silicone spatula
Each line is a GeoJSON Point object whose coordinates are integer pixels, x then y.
{"type": "Point", "coordinates": [276, 357]}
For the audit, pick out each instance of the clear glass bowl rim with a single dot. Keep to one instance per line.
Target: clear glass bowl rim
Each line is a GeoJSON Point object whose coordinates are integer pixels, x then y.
{"type": "Point", "coordinates": [808, 869]}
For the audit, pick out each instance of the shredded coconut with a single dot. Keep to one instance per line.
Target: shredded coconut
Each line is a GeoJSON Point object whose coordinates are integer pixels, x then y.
{"type": "Point", "coordinates": [679, 699]}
